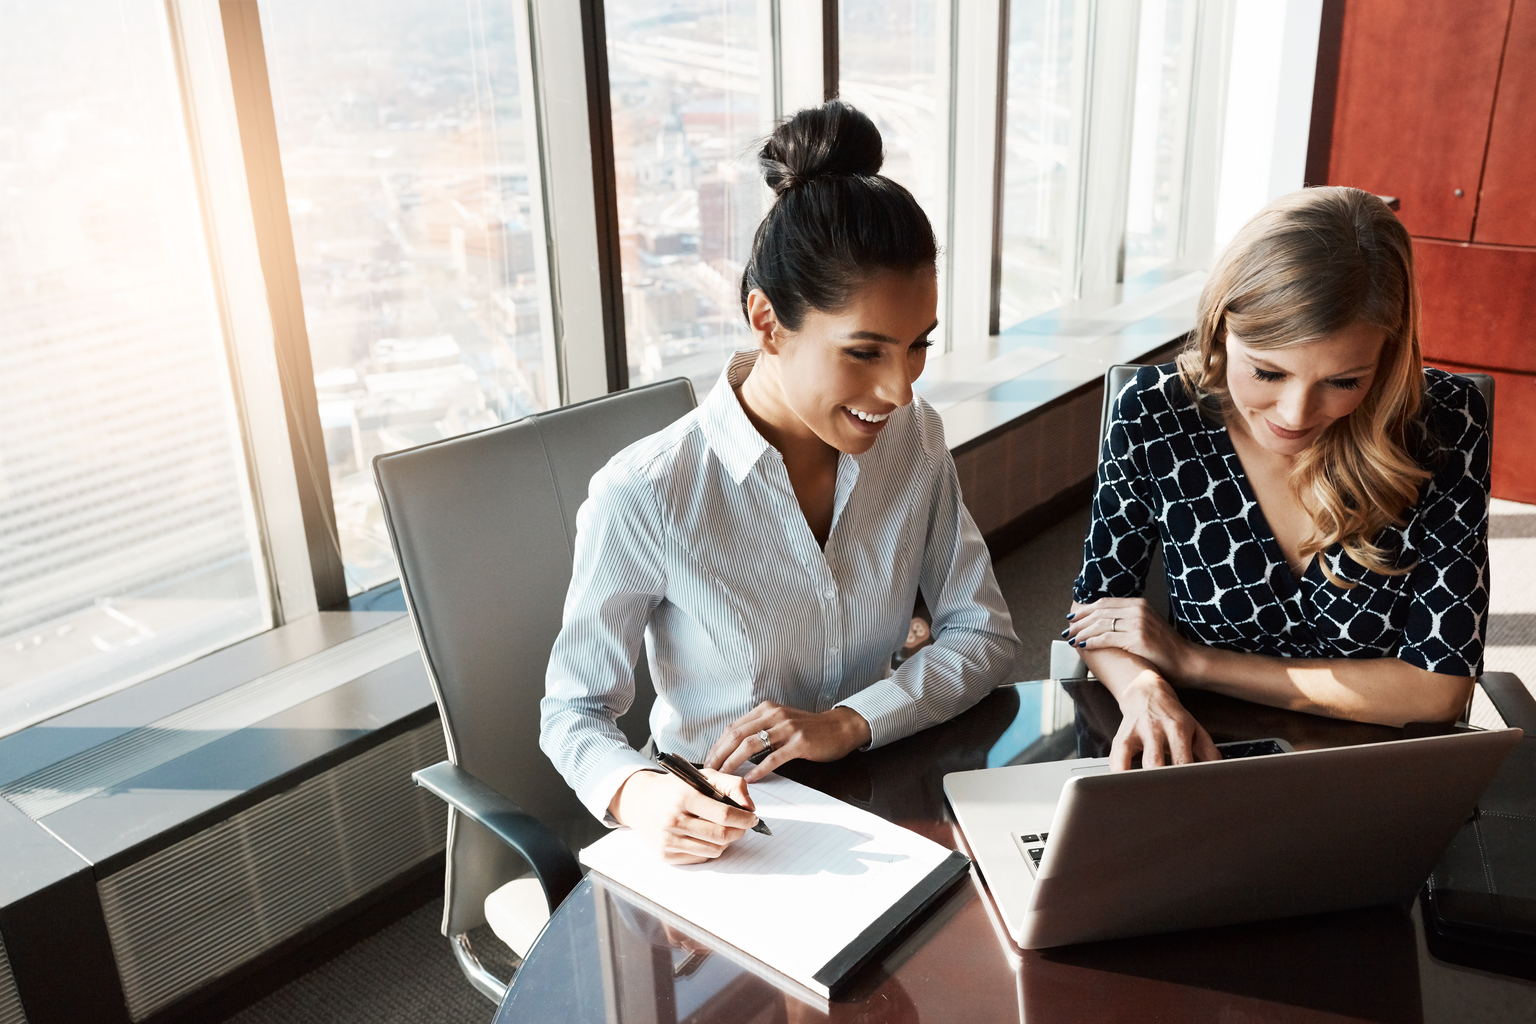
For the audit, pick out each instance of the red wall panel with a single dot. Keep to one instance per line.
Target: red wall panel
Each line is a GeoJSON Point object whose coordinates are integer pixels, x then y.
{"type": "Point", "coordinates": [1514, 432]}
{"type": "Point", "coordinates": [1479, 304]}
{"type": "Point", "coordinates": [1415, 93]}
{"type": "Point", "coordinates": [1506, 210]}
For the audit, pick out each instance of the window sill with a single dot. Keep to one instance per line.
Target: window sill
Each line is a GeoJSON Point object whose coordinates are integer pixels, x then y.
{"type": "Point", "coordinates": [172, 782]}
{"type": "Point", "coordinates": [988, 388]}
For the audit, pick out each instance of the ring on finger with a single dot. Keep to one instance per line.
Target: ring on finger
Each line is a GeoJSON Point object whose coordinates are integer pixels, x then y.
{"type": "Point", "coordinates": [1114, 625]}
{"type": "Point", "coordinates": [762, 737]}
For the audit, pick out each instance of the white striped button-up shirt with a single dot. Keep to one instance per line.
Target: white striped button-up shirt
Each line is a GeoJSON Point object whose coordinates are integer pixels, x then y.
{"type": "Point", "coordinates": [693, 539]}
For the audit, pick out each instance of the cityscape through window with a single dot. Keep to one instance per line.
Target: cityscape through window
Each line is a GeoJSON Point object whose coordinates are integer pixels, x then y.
{"type": "Point", "coordinates": [127, 540]}
{"type": "Point", "coordinates": [691, 93]}
{"type": "Point", "coordinates": [402, 132]}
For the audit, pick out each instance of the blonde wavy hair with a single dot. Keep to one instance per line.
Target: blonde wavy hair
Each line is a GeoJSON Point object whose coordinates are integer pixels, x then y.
{"type": "Point", "coordinates": [1312, 263]}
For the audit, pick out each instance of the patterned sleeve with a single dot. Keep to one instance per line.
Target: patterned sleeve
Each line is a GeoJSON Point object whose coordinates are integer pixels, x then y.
{"type": "Point", "coordinates": [1122, 529]}
{"type": "Point", "coordinates": [1448, 620]}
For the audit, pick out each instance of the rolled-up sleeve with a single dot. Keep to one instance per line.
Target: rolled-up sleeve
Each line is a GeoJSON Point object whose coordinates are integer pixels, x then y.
{"type": "Point", "coordinates": [618, 577]}
{"type": "Point", "coordinates": [974, 646]}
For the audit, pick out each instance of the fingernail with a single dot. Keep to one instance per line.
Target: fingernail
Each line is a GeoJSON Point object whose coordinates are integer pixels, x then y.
{"type": "Point", "coordinates": [1071, 616]}
{"type": "Point", "coordinates": [1082, 643]}
{"type": "Point", "coordinates": [1065, 632]}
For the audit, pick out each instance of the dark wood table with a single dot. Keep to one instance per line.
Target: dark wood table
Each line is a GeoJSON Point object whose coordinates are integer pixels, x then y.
{"type": "Point", "coordinates": [605, 959]}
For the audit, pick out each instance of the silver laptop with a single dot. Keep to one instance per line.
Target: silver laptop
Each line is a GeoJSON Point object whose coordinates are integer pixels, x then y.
{"type": "Point", "coordinates": [1073, 852]}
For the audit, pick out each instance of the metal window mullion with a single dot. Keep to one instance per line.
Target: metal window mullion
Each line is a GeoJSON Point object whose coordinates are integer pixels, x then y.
{"type": "Point", "coordinates": [978, 105]}
{"type": "Point", "coordinates": [806, 67]}
{"type": "Point", "coordinates": [267, 196]}
{"type": "Point", "coordinates": [574, 268]}
{"type": "Point", "coordinates": [198, 45]}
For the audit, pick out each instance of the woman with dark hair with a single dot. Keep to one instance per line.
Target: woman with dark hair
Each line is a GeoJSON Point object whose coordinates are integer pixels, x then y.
{"type": "Point", "coordinates": [771, 544]}
{"type": "Point", "coordinates": [1320, 495]}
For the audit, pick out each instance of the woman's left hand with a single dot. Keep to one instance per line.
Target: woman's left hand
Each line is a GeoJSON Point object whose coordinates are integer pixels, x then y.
{"type": "Point", "coordinates": [1130, 624]}
{"type": "Point", "coordinates": [824, 736]}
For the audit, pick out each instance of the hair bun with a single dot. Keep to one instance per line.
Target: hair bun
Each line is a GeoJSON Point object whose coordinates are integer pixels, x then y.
{"type": "Point", "coordinates": [834, 138]}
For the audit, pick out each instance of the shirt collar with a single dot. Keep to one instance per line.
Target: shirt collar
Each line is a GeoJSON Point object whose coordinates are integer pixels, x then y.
{"type": "Point", "coordinates": [730, 434]}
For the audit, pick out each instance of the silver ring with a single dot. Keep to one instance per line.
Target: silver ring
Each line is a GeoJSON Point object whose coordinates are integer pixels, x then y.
{"type": "Point", "coordinates": [762, 735]}
{"type": "Point", "coordinates": [1114, 625]}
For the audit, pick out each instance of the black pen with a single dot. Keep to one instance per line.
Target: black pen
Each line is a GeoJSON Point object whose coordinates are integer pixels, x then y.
{"type": "Point", "coordinates": [688, 773]}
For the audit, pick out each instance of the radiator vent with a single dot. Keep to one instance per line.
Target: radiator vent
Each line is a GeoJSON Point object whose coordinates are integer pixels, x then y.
{"type": "Point", "coordinates": [195, 911]}
{"type": "Point", "coordinates": [10, 999]}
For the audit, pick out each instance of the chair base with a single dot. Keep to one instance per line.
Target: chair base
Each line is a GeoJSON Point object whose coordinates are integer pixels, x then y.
{"type": "Point", "coordinates": [486, 983]}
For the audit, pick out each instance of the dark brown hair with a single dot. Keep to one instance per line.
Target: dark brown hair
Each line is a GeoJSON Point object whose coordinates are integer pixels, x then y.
{"type": "Point", "coordinates": [836, 220]}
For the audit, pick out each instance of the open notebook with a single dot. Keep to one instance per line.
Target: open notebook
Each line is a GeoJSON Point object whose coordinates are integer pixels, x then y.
{"type": "Point", "coordinates": [816, 900]}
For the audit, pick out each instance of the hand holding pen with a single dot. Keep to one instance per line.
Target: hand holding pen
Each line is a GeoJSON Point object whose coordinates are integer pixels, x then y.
{"type": "Point", "coordinates": [682, 824]}
{"type": "Point", "coordinates": [688, 773]}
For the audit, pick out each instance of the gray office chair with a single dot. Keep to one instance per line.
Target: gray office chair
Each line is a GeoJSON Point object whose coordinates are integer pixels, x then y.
{"type": "Point", "coordinates": [482, 526]}
{"type": "Point", "coordinates": [1065, 660]}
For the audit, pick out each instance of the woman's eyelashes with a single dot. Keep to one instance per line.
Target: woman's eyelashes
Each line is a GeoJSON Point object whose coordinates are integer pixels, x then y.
{"type": "Point", "coordinates": [871, 354]}
{"type": "Point", "coordinates": [1338, 383]}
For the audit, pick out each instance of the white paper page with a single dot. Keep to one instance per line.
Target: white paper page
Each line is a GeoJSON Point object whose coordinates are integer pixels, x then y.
{"type": "Point", "coordinates": [794, 899]}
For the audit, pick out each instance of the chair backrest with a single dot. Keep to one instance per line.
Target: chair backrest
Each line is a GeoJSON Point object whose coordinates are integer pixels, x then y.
{"type": "Point", "coordinates": [483, 527]}
{"type": "Point", "coordinates": [1115, 379]}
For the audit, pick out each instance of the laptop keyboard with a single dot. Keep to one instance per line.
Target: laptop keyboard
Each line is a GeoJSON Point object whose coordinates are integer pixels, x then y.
{"type": "Point", "coordinates": [1032, 846]}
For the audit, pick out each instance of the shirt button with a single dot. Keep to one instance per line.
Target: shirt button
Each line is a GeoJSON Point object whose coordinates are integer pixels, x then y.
{"type": "Point", "coordinates": [827, 594]}
{"type": "Point", "coordinates": [834, 650]}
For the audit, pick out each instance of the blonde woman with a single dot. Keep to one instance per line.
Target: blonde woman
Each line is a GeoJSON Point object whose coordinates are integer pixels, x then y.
{"type": "Point", "coordinates": [1320, 495]}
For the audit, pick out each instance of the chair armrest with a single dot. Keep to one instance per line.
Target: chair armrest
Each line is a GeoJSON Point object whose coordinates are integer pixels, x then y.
{"type": "Point", "coordinates": [1514, 702]}
{"type": "Point", "coordinates": [551, 859]}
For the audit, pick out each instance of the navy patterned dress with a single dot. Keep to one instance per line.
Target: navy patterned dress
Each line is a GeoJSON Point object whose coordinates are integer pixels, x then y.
{"type": "Point", "coordinates": [1169, 474]}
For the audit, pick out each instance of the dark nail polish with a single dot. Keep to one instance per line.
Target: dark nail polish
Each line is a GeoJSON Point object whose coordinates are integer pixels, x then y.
{"type": "Point", "coordinates": [1064, 632]}
{"type": "Point", "coordinates": [1071, 616]}
{"type": "Point", "coordinates": [1082, 643]}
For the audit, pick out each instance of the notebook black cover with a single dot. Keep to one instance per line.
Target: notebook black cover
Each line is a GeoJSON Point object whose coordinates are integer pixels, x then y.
{"type": "Point", "coordinates": [884, 930]}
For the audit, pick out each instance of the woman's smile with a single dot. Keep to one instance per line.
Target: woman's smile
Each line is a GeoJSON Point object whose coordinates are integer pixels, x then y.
{"type": "Point", "coordinates": [867, 422]}
{"type": "Point", "coordinates": [1287, 435]}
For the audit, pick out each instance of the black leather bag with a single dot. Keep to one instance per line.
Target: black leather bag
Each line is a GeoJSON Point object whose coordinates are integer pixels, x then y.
{"type": "Point", "coordinates": [1480, 903]}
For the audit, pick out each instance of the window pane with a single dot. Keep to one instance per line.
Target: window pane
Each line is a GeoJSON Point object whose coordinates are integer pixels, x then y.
{"type": "Point", "coordinates": [126, 539]}
{"type": "Point", "coordinates": [1038, 160]}
{"type": "Point", "coordinates": [893, 64]}
{"type": "Point", "coordinates": [690, 90]}
{"type": "Point", "coordinates": [402, 136]}
{"type": "Point", "coordinates": [1163, 64]}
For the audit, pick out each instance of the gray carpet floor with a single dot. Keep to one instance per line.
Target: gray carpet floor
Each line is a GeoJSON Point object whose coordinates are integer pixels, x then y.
{"type": "Point", "coordinates": [405, 974]}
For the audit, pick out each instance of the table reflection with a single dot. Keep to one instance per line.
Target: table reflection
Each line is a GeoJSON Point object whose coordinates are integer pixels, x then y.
{"type": "Point", "coordinates": [609, 956]}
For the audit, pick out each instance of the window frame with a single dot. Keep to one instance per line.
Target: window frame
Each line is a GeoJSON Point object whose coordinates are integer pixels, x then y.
{"type": "Point", "coordinates": [221, 66]}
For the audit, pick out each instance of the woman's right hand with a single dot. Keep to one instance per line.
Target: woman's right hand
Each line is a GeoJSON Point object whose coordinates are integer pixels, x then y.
{"type": "Point", "coordinates": [1155, 725]}
{"type": "Point", "coordinates": [684, 825]}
